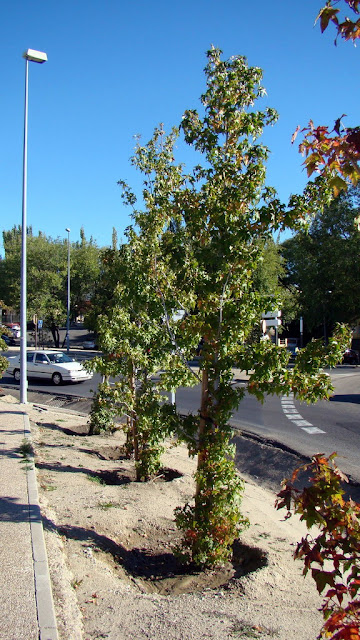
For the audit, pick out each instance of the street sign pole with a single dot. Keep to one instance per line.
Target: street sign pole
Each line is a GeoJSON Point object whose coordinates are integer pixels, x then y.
{"type": "Point", "coordinates": [35, 320]}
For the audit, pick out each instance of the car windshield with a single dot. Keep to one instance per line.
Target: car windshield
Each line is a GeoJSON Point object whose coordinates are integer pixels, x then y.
{"type": "Point", "coordinates": [59, 357]}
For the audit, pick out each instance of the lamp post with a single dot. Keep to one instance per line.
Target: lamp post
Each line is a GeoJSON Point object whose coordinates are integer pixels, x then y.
{"type": "Point", "coordinates": [68, 292]}
{"type": "Point", "coordinates": [30, 56]}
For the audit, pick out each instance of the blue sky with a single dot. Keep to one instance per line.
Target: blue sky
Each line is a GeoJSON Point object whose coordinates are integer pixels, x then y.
{"type": "Point", "coordinates": [116, 69]}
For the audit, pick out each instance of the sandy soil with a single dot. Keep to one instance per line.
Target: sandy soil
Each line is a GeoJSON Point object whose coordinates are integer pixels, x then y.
{"type": "Point", "coordinates": [110, 540]}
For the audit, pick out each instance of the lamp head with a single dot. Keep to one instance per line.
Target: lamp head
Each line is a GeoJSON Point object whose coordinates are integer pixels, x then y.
{"type": "Point", "coordinates": [35, 56]}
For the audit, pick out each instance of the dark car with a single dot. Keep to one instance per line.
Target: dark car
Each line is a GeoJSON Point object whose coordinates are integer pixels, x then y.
{"type": "Point", "coordinates": [11, 342]}
{"type": "Point", "coordinates": [350, 357]}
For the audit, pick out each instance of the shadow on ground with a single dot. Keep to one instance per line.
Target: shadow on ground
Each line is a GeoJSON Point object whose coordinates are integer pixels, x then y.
{"type": "Point", "coordinates": [156, 570]}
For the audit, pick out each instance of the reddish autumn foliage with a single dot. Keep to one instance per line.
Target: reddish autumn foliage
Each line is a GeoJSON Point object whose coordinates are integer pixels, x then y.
{"type": "Point", "coordinates": [346, 28]}
{"type": "Point", "coordinates": [334, 555]}
{"type": "Point", "coordinates": [334, 153]}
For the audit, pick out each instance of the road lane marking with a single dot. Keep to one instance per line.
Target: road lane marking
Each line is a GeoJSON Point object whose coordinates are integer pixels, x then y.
{"type": "Point", "coordinates": [313, 430]}
{"type": "Point", "coordinates": [302, 423]}
{"type": "Point", "coordinates": [292, 413]}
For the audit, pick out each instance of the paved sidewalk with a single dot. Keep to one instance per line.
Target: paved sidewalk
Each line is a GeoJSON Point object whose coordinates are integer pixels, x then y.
{"type": "Point", "coordinates": [26, 611]}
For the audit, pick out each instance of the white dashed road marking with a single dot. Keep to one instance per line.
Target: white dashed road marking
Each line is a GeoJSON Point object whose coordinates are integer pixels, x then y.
{"type": "Point", "coordinates": [289, 409]}
{"type": "Point", "coordinates": [313, 430]}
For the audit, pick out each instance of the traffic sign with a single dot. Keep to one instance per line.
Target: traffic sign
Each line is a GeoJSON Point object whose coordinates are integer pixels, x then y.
{"type": "Point", "coordinates": [273, 322]}
{"type": "Point", "coordinates": [276, 313]}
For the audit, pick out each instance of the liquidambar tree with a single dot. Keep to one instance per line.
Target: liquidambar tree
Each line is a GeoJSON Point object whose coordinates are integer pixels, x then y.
{"type": "Point", "coordinates": [204, 231]}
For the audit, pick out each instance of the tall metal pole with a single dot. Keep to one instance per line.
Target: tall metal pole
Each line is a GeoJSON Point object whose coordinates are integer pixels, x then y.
{"type": "Point", "coordinates": [23, 289]}
{"type": "Point", "coordinates": [68, 293]}
{"type": "Point", "coordinates": [40, 57]}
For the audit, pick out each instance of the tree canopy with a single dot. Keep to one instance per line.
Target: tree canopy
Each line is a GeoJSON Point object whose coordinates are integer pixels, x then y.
{"type": "Point", "coordinates": [47, 275]}
{"type": "Point", "coordinates": [323, 264]}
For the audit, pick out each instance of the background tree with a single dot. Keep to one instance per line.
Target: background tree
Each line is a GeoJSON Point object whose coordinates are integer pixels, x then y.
{"type": "Point", "coordinates": [4, 363]}
{"type": "Point", "coordinates": [84, 271]}
{"type": "Point", "coordinates": [46, 273]}
{"type": "Point", "coordinates": [270, 280]}
{"type": "Point", "coordinates": [109, 274]}
{"type": "Point", "coordinates": [47, 276]}
{"type": "Point", "coordinates": [323, 265]}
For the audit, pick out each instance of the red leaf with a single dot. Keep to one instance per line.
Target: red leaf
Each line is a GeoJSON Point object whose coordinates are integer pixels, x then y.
{"type": "Point", "coordinates": [326, 14]}
{"type": "Point", "coordinates": [338, 124]}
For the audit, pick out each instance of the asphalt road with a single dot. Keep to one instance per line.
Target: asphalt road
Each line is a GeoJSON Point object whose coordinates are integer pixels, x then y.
{"type": "Point", "coordinates": [307, 429]}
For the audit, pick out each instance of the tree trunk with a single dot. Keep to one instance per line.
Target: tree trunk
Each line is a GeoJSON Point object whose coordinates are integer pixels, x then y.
{"type": "Point", "coordinates": [133, 420]}
{"type": "Point", "coordinates": [202, 425]}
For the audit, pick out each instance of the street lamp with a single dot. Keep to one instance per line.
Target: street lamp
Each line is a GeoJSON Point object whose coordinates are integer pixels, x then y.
{"type": "Point", "coordinates": [30, 56]}
{"type": "Point", "coordinates": [68, 292]}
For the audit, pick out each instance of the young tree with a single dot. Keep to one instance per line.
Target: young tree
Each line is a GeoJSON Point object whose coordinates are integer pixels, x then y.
{"type": "Point", "coordinates": [204, 232]}
{"type": "Point", "coordinates": [135, 347]}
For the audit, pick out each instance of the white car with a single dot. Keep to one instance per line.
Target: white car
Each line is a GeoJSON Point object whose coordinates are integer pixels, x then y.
{"type": "Point", "coordinates": [16, 330]}
{"type": "Point", "coordinates": [49, 365]}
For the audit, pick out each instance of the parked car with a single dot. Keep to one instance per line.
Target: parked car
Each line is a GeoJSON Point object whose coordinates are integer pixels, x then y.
{"type": "Point", "coordinates": [49, 365]}
{"type": "Point", "coordinates": [14, 328]}
{"type": "Point", "coordinates": [350, 357]}
{"type": "Point", "coordinates": [89, 344]}
{"type": "Point", "coordinates": [9, 340]}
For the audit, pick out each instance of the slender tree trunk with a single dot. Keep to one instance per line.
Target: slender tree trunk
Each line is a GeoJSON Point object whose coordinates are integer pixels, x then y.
{"type": "Point", "coordinates": [133, 419]}
{"type": "Point", "coordinates": [203, 424]}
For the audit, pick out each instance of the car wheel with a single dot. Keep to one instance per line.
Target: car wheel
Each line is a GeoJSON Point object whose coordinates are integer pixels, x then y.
{"type": "Point", "coordinates": [57, 379]}
{"type": "Point", "coordinates": [17, 375]}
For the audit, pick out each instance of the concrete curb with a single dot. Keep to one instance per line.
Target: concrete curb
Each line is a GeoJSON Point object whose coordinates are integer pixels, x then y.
{"type": "Point", "coordinates": [43, 592]}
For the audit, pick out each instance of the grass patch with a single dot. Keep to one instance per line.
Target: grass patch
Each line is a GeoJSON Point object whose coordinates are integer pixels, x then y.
{"type": "Point", "coordinates": [243, 630]}
{"type": "Point", "coordinates": [95, 479]}
{"type": "Point", "coordinates": [27, 452]}
{"type": "Point", "coordinates": [48, 487]}
{"type": "Point", "coordinates": [26, 449]}
{"type": "Point", "coordinates": [75, 583]}
{"type": "Point", "coordinates": [106, 505]}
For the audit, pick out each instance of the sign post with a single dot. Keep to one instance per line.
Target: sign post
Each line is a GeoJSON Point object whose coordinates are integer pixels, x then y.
{"type": "Point", "coordinates": [35, 320]}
